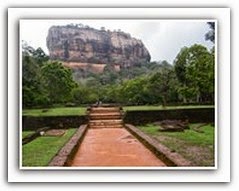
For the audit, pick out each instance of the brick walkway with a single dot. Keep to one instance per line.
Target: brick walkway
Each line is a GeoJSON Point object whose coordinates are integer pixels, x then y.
{"type": "Point", "coordinates": [113, 147]}
{"type": "Point", "coordinates": [108, 143]}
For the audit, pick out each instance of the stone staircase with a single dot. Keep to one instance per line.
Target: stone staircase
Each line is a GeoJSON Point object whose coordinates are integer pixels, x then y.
{"type": "Point", "coordinates": [105, 117]}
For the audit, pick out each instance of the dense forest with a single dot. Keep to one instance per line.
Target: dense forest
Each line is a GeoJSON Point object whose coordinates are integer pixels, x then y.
{"type": "Point", "coordinates": [188, 80]}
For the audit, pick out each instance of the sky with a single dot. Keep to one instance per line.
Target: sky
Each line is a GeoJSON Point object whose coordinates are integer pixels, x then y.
{"type": "Point", "coordinates": [162, 38]}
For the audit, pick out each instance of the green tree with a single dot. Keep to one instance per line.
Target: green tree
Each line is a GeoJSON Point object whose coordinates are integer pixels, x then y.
{"type": "Point", "coordinates": [40, 56]}
{"type": "Point", "coordinates": [84, 95]}
{"type": "Point", "coordinates": [58, 82]}
{"type": "Point", "coordinates": [135, 91]}
{"type": "Point", "coordinates": [32, 92]}
{"type": "Point", "coordinates": [210, 35]}
{"type": "Point", "coordinates": [112, 94]}
{"type": "Point", "coordinates": [163, 85]}
{"type": "Point", "coordinates": [109, 77]}
{"type": "Point", "coordinates": [180, 64]}
{"type": "Point", "coordinates": [194, 67]}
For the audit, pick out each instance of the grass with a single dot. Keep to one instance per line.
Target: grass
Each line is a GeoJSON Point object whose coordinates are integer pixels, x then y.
{"type": "Point", "coordinates": [26, 133]}
{"type": "Point", "coordinates": [61, 111]}
{"type": "Point", "coordinates": [71, 111]}
{"type": "Point", "coordinates": [145, 107]}
{"type": "Point", "coordinates": [40, 151]}
{"type": "Point", "coordinates": [194, 146]}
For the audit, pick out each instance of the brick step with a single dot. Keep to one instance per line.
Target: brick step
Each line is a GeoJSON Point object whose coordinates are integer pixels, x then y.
{"type": "Point", "coordinates": [104, 109]}
{"type": "Point", "coordinates": [109, 113]}
{"type": "Point", "coordinates": [105, 126]}
{"type": "Point", "coordinates": [104, 116]}
{"type": "Point", "coordinates": [106, 122]}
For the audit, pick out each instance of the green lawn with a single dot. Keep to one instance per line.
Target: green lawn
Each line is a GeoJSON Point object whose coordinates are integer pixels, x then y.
{"type": "Point", "coordinates": [194, 146]}
{"type": "Point", "coordinates": [61, 111]}
{"type": "Point", "coordinates": [40, 151]}
{"type": "Point", "coordinates": [145, 107]}
{"type": "Point", "coordinates": [69, 111]}
{"type": "Point", "coordinates": [25, 133]}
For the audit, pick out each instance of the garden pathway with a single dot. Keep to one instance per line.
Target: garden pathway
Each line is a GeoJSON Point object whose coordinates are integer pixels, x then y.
{"type": "Point", "coordinates": [108, 143]}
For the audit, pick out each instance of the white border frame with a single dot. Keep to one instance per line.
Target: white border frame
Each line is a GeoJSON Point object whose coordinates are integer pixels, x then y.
{"type": "Point", "coordinates": [115, 167]}
{"type": "Point", "coordinates": [220, 14]}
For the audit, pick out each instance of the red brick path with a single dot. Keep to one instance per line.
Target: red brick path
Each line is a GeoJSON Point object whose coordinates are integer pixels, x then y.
{"type": "Point", "coordinates": [113, 147]}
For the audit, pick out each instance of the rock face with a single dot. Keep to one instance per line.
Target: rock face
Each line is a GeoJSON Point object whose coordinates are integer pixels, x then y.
{"type": "Point", "coordinates": [74, 43]}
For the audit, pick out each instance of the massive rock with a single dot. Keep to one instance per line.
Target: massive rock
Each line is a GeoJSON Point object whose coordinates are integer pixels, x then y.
{"type": "Point", "coordinates": [80, 44]}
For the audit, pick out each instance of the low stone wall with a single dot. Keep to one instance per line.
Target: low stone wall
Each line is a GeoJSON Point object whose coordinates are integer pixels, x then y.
{"type": "Point", "coordinates": [163, 153]}
{"type": "Point", "coordinates": [56, 122]}
{"type": "Point", "coordinates": [199, 115]}
{"type": "Point", "coordinates": [65, 156]}
{"type": "Point", "coordinates": [34, 135]}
